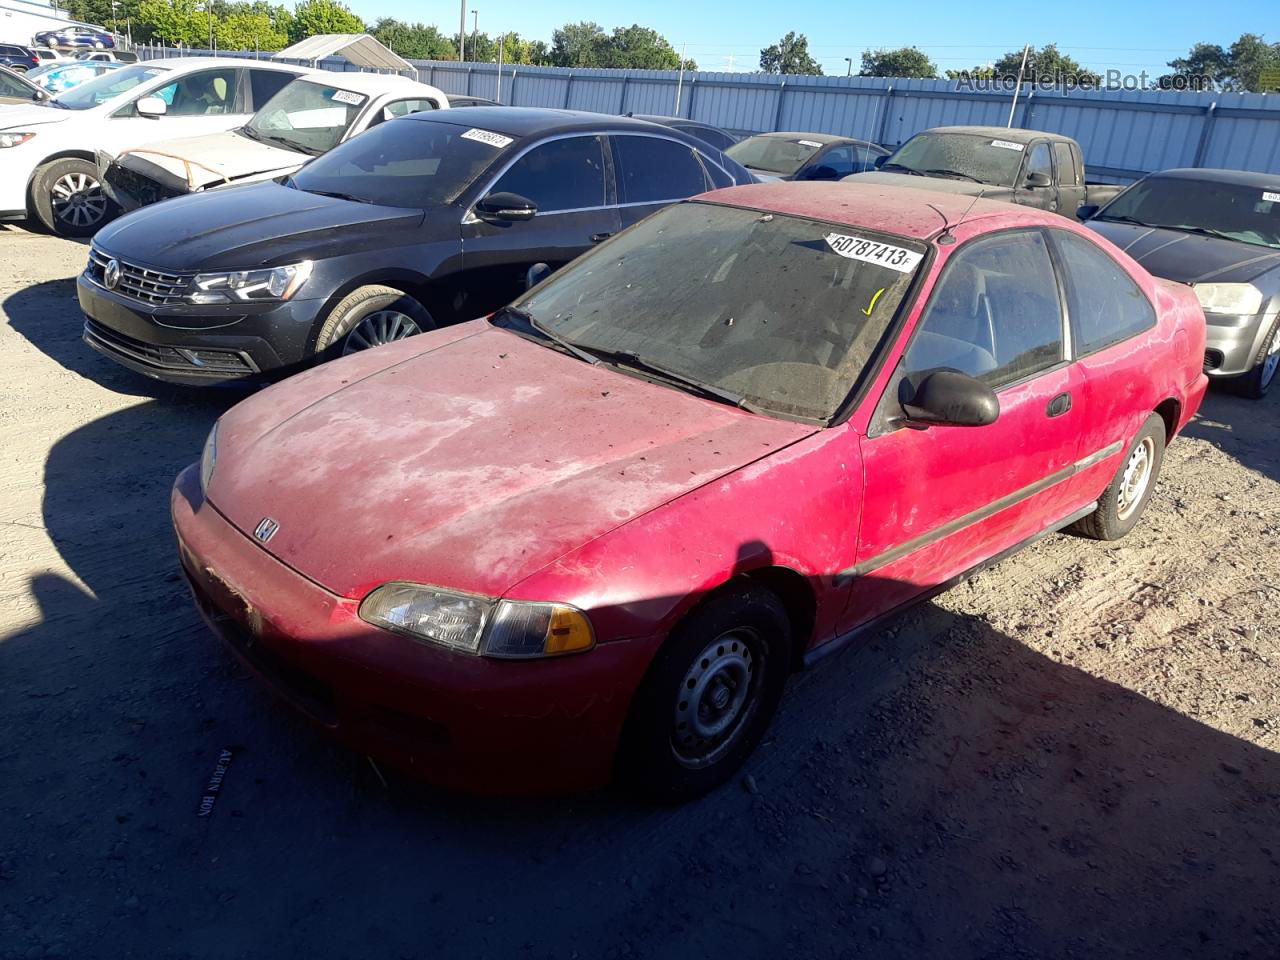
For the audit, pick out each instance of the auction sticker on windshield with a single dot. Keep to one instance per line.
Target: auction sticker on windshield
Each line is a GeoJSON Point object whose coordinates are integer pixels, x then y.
{"type": "Point", "coordinates": [1007, 145]}
{"type": "Point", "coordinates": [346, 96]}
{"type": "Point", "coordinates": [1271, 197]}
{"type": "Point", "coordinates": [873, 251]}
{"type": "Point", "coordinates": [486, 136]}
{"type": "Point", "coordinates": [809, 143]}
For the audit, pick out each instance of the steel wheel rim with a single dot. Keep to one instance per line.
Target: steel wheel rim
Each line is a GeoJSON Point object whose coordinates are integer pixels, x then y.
{"type": "Point", "coordinates": [715, 698]}
{"type": "Point", "coordinates": [77, 199]}
{"type": "Point", "coordinates": [1136, 477]}
{"type": "Point", "coordinates": [378, 328]}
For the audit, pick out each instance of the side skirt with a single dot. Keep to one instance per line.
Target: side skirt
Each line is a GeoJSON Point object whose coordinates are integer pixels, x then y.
{"type": "Point", "coordinates": [839, 643]}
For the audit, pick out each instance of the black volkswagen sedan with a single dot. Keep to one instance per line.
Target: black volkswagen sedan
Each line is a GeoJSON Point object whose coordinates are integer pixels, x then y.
{"type": "Point", "coordinates": [420, 222]}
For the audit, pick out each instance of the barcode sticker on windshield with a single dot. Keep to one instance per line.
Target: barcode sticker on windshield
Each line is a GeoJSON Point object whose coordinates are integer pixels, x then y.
{"type": "Point", "coordinates": [346, 96]}
{"type": "Point", "coordinates": [1271, 197]}
{"type": "Point", "coordinates": [809, 143]}
{"type": "Point", "coordinates": [486, 136]}
{"type": "Point", "coordinates": [873, 251]}
{"type": "Point", "coordinates": [1007, 145]}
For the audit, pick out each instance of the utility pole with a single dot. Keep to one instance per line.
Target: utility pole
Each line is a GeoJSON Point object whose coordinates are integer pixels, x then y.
{"type": "Point", "coordinates": [462, 34]}
{"type": "Point", "coordinates": [209, 8]}
{"type": "Point", "coordinates": [680, 79]}
{"type": "Point", "coordinates": [475, 31]}
{"type": "Point", "coordinates": [1016, 90]}
{"type": "Point", "coordinates": [849, 61]}
{"type": "Point", "coordinates": [502, 40]}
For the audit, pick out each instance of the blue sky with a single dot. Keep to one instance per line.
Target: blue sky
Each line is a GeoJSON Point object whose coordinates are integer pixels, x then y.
{"type": "Point", "coordinates": [728, 34]}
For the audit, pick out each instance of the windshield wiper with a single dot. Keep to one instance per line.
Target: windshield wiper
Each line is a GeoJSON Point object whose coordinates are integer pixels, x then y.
{"type": "Point", "coordinates": [901, 166]}
{"type": "Point", "coordinates": [1209, 232]}
{"type": "Point", "coordinates": [335, 194]}
{"type": "Point", "coordinates": [1123, 218]}
{"type": "Point", "coordinates": [267, 138]}
{"type": "Point", "coordinates": [624, 358]}
{"type": "Point", "coordinates": [943, 172]}
{"type": "Point", "coordinates": [527, 319]}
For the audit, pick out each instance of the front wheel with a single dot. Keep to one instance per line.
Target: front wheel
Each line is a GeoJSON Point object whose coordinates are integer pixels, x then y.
{"type": "Point", "coordinates": [370, 316]}
{"type": "Point", "coordinates": [1257, 381]}
{"type": "Point", "coordinates": [709, 695]}
{"type": "Point", "coordinates": [1126, 496]}
{"type": "Point", "coordinates": [68, 198]}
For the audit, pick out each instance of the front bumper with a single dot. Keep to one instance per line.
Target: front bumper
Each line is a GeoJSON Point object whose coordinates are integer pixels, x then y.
{"type": "Point", "coordinates": [1234, 344]}
{"type": "Point", "coordinates": [197, 345]}
{"type": "Point", "coordinates": [132, 182]}
{"type": "Point", "coordinates": [466, 722]}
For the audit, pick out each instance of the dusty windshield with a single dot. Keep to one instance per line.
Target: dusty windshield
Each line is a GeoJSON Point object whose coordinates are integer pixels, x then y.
{"type": "Point", "coordinates": [773, 153]}
{"type": "Point", "coordinates": [785, 312]}
{"type": "Point", "coordinates": [305, 116]}
{"type": "Point", "coordinates": [107, 87]}
{"type": "Point", "coordinates": [1237, 212]}
{"type": "Point", "coordinates": [984, 159]}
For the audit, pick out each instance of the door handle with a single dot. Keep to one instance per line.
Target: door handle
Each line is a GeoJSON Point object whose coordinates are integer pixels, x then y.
{"type": "Point", "coordinates": [1059, 405]}
{"type": "Point", "coordinates": [597, 237]}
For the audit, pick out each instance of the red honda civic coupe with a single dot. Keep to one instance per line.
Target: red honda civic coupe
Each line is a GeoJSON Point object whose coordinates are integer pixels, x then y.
{"type": "Point", "coordinates": [594, 532]}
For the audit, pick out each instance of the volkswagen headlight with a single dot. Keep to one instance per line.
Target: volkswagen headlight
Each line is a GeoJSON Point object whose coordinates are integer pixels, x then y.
{"type": "Point", "coordinates": [209, 458]}
{"type": "Point", "coordinates": [1237, 298]}
{"type": "Point", "coordinates": [247, 286]}
{"type": "Point", "coordinates": [461, 621]}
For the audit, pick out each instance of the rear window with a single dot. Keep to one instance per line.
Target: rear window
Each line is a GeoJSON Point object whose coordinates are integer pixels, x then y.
{"type": "Point", "coordinates": [774, 154]}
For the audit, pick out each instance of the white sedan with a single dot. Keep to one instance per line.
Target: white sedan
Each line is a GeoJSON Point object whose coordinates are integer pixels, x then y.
{"type": "Point", "coordinates": [48, 165]}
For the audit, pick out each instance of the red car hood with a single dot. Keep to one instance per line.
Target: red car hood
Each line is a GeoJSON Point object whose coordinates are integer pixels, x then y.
{"type": "Point", "coordinates": [467, 458]}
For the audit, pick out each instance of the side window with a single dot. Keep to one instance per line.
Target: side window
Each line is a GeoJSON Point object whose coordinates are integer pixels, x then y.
{"type": "Point", "coordinates": [716, 176]}
{"type": "Point", "coordinates": [265, 84]}
{"type": "Point", "coordinates": [1066, 164]}
{"type": "Point", "coordinates": [839, 159]}
{"type": "Point", "coordinates": [1103, 301]}
{"type": "Point", "coordinates": [559, 175]}
{"type": "Point", "coordinates": [717, 139]}
{"type": "Point", "coordinates": [650, 170]}
{"type": "Point", "coordinates": [402, 108]}
{"type": "Point", "coordinates": [866, 158]}
{"type": "Point", "coordinates": [201, 94]}
{"type": "Point", "coordinates": [995, 313]}
{"type": "Point", "coordinates": [1038, 161]}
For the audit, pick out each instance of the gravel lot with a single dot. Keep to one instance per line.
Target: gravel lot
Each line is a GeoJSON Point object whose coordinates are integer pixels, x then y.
{"type": "Point", "coordinates": [1074, 755]}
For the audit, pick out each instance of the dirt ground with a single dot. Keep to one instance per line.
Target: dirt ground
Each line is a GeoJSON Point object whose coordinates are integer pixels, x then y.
{"type": "Point", "coordinates": [1074, 755]}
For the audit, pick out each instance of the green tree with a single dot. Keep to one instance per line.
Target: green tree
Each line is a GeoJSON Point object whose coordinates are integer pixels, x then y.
{"type": "Point", "coordinates": [175, 22]}
{"type": "Point", "coordinates": [578, 44]}
{"type": "Point", "coordinates": [246, 30]}
{"type": "Point", "coordinates": [520, 51]}
{"type": "Point", "coordinates": [1250, 55]}
{"type": "Point", "coordinates": [312, 17]}
{"type": "Point", "coordinates": [414, 41]}
{"type": "Point", "coordinates": [789, 55]}
{"type": "Point", "coordinates": [1205, 60]}
{"type": "Point", "coordinates": [638, 48]}
{"type": "Point", "coordinates": [1047, 61]}
{"type": "Point", "coordinates": [903, 62]}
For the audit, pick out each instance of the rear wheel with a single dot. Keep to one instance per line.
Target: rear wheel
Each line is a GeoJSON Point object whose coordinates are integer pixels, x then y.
{"type": "Point", "coordinates": [1126, 496]}
{"type": "Point", "coordinates": [371, 316]}
{"type": "Point", "coordinates": [1258, 381]}
{"type": "Point", "coordinates": [709, 695]}
{"type": "Point", "coordinates": [68, 198]}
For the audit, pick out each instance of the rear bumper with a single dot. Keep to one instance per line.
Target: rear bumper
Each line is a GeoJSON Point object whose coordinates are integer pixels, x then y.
{"type": "Point", "coordinates": [466, 722]}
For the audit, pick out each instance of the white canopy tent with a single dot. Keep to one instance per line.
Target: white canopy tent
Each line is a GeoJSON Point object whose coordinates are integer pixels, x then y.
{"type": "Point", "coordinates": [358, 48]}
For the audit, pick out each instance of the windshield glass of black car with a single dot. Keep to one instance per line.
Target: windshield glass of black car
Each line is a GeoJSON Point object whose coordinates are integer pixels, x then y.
{"type": "Point", "coordinates": [412, 161]}
{"type": "Point", "coordinates": [783, 311]}
{"type": "Point", "coordinates": [1234, 211]}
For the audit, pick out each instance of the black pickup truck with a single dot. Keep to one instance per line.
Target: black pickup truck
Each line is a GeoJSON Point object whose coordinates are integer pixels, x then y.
{"type": "Point", "coordinates": [1031, 167]}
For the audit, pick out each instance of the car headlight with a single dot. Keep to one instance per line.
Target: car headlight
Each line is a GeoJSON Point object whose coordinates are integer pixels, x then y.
{"type": "Point", "coordinates": [461, 621]}
{"type": "Point", "coordinates": [209, 458]}
{"type": "Point", "coordinates": [240, 286]}
{"type": "Point", "coordinates": [1229, 297]}
{"type": "Point", "coordinates": [14, 139]}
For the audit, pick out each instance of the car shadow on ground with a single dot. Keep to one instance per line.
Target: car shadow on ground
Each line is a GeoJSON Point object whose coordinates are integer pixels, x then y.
{"type": "Point", "coordinates": [1241, 427]}
{"type": "Point", "coordinates": [941, 790]}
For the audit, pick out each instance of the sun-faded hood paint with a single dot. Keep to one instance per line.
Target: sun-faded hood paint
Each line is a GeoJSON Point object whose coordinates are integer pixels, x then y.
{"type": "Point", "coordinates": [468, 458]}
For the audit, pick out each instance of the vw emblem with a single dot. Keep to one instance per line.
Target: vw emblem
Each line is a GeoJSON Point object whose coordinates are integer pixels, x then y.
{"type": "Point", "coordinates": [111, 274]}
{"type": "Point", "coordinates": [265, 530]}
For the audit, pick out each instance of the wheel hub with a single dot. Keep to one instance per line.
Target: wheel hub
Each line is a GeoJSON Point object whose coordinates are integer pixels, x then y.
{"type": "Point", "coordinates": [77, 199]}
{"type": "Point", "coordinates": [379, 327]}
{"type": "Point", "coordinates": [716, 695]}
{"type": "Point", "coordinates": [1137, 474]}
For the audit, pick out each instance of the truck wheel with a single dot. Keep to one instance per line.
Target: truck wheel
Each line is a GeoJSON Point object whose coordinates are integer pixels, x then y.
{"type": "Point", "coordinates": [1257, 381]}
{"type": "Point", "coordinates": [68, 198]}
{"type": "Point", "coordinates": [370, 316]}
{"type": "Point", "coordinates": [1126, 496]}
{"type": "Point", "coordinates": [709, 695]}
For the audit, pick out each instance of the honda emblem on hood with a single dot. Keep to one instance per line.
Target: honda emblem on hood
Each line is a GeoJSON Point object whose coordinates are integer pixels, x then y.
{"type": "Point", "coordinates": [265, 530]}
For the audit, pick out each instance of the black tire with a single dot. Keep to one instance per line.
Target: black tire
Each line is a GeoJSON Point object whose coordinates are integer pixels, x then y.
{"type": "Point", "coordinates": [1117, 515]}
{"type": "Point", "coordinates": [658, 756]}
{"type": "Point", "coordinates": [339, 335]}
{"type": "Point", "coordinates": [1258, 381]}
{"type": "Point", "coordinates": [68, 198]}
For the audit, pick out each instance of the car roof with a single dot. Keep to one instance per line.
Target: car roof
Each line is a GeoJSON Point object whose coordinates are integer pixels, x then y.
{"type": "Point", "coordinates": [186, 63]}
{"type": "Point", "coordinates": [822, 138]}
{"type": "Point", "coordinates": [1246, 178]}
{"type": "Point", "coordinates": [905, 211]}
{"type": "Point", "coordinates": [999, 133]}
{"type": "Point", "coordinates": [369, 83]}
{"type": "Point", "coordinates": [526, 121]}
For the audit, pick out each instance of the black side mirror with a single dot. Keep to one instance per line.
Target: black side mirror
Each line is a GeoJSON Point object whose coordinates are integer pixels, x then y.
{"type": "Point", "coordinates": [503, 207]}
{"type": "Point", "coordinates": [949, 398]}
{"type": "Point", "coordinates": [879, 162]}
{"type": "Point", "coordinates": [535, 275]}
{"type": "Point", "coordinates": [1038, 179]}
{"type": "Point", "coordinates": [820, 172]}
{"type": "Point", "coordinates": [1086, 211]}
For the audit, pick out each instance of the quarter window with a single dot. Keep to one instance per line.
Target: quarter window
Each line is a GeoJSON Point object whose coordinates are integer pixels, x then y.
{"type": "Point", "coordinates": [265, 84]}
{"type": "Point", "coordinates": [559, 175]}
{"type": "Point", "coordinates": [1103, 301]}
{"type": "Point", "coordinates": [995, 313]}
{"type": "Point", "coordinates": [652, 170]}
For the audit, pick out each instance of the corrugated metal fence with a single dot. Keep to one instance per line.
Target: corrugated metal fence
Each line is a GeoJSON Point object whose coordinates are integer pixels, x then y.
{"type": "Point", "coordinates": [1124, 133]}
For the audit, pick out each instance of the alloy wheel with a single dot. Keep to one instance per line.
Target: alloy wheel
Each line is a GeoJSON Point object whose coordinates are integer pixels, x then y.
{"type": "Point", "coordinates": [379, 327]}
{"type": "Point", "coordinates": [1271, 363]}
{"type": "Point", "coordinates": [717, 695]}
{"type": "Point", "coordinates": [78, 200]}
